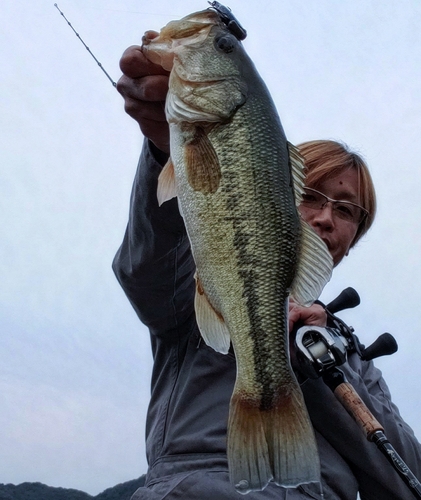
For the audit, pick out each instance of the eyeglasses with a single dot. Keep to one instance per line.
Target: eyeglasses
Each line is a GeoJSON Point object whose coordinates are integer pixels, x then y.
{"type": "Point", "coordinates": [345, 210]}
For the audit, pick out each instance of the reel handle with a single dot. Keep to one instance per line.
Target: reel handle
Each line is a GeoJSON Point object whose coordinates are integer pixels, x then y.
{"type": "Point", "coordinates": [347, 299]}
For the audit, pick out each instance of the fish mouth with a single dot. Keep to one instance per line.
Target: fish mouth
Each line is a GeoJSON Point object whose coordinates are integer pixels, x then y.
{"type": "Point", "coordinates": [163, 50]}
{"type": "Point", "coordinates": [160, 48]}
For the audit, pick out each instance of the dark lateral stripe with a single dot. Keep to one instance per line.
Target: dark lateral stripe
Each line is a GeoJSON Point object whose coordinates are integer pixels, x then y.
{"type": "Point", "coordinates": [254, 297]}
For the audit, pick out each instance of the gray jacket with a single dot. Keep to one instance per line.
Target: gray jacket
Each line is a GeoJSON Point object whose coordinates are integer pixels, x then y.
{"type": "Point", "coordinates": [192, 384]}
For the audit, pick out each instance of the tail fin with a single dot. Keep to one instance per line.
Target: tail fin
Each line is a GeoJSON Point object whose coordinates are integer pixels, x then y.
{"type": "Point", "coordinates": [271, 444]}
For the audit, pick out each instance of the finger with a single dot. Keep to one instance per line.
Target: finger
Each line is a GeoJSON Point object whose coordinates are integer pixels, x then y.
{"type": "Point", "coordinates": [134, 64]}
{"type": "Point", "coordinates": [154, 111]}
{"type": "Point", "coordinates": [152, 121]}
{"type": "Point", "coordinates": [149, 35]}
{"type": "Point", "coordinates": [148, 88]}
{"type": "Point", "coordinates": [293, 317]}
{"type": "Point", "coordinates": [157, 132]}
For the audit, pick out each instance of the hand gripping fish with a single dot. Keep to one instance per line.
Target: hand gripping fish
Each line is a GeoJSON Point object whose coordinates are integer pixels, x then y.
{"type": "Point", "coordinates": [239, 183]}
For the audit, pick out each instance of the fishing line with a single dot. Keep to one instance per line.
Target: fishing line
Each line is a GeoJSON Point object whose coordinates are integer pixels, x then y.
{"type": "Point", "coordinates": [140, 12]}
{"type": "Point", "coordinates": [86, 47]}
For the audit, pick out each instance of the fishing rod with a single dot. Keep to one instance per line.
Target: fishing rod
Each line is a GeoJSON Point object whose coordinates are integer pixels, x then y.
{"type": "Point", "coordinates": [322, 350]}
{"type": "Point", "coordinates": [86, 47]}
{"type": "Point", "coordinates": [354, 405]}
{"type": "Point", "coordinates": [224, 12]}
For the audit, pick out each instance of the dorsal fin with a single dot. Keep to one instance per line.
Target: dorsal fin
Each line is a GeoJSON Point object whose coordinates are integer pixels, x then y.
{"type": "Point", "coordinates": [315, 263]}
{"type": "Point", "coordinates": [297, 169]}
{"type": "Point", "coordinates": [315, 267]}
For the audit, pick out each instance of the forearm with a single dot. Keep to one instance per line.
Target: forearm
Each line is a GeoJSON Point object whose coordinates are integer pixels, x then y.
{"type": "Point", "coordinates": [154, 263]}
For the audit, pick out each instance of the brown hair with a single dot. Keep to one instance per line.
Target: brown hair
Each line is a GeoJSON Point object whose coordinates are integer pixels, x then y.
{"type": "Point", "coordinates": [326, 158]}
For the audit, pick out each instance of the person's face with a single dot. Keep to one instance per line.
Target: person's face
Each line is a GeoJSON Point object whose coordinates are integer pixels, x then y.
{"type": "Point", "coordinates": [337, 233]}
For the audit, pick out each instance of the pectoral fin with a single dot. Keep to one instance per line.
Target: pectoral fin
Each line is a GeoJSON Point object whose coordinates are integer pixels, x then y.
{"type": "Point", "coordinates": [202, 163]}
{"type": "Point", "coordinates": [167, 188]}
{"type": "Point", "coordinates": [314, 267]}
{"type": "Point", "coordinates": [211, 324]}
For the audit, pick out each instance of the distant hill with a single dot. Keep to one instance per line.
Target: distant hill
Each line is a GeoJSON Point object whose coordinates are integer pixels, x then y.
{"type": "Point", "coordinates": [39, 491]}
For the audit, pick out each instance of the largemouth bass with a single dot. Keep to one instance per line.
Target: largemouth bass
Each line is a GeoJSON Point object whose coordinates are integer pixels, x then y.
{"type": "Point", "coordinates": [238, 183]}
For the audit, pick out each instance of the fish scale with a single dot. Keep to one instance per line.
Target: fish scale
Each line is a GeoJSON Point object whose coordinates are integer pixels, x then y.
{"type": "Point", "coordinates": [237, 187]}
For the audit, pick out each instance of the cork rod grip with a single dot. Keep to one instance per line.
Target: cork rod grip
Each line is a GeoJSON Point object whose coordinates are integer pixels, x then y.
{"type": "Point", "coordinates": [355, 406]}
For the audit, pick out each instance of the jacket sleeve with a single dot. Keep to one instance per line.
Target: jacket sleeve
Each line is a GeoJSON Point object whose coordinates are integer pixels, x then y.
{"type": "Point", "coordinates": [376, 477]}
{"type": "Point", "coordinates": [154, 264]}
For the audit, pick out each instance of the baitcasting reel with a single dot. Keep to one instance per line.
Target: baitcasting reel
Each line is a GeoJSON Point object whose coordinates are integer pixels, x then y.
{"type": "Point", "coordinates": [320, 349]}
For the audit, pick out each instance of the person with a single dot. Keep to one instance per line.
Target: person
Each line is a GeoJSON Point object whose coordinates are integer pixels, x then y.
{"type": "Point", "coordinates": [191, 383]}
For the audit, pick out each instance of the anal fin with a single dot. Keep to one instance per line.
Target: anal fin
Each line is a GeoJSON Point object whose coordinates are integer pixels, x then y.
{"type": "Point", "coordinates": [211, 324]}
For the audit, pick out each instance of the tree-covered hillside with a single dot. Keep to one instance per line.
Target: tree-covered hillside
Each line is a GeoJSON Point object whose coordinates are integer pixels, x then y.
{"type": "Point", "coordinates": [39, 491]}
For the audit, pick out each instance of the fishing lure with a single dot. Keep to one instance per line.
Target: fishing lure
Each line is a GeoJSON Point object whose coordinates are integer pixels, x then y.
{"type": "Point", "coordinates": [229, 19]}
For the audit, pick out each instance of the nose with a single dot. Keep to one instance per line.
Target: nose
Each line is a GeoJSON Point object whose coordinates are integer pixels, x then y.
{"type": "Point", "coordinates": [323, 217]}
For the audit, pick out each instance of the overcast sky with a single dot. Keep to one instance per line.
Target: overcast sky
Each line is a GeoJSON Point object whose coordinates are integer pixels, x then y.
{"type": "Point", "coordinates": [75, 361]}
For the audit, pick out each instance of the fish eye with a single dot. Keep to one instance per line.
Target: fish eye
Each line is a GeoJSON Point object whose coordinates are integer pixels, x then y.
{"type": "Point", "coordinates": [225, 44]}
